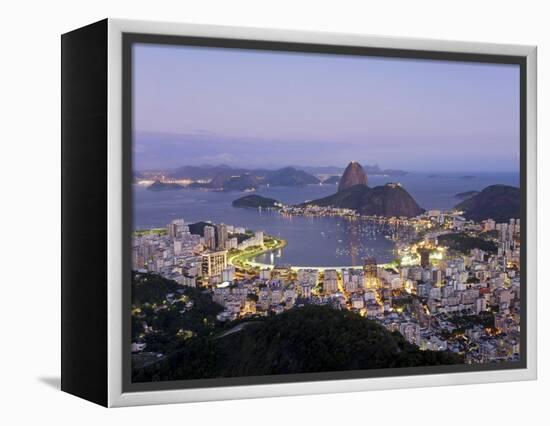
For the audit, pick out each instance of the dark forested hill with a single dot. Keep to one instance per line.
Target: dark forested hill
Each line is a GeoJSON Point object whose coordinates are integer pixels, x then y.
{"type": "Point", "coordinates": [317, 338]}
{"type": "Point", "coordinates": [255, 201]}
{"type": "Point", "coordinates": [307, 339]}
{"type": "Point", "coordinates": [387, 200]}
{"type": "Point", "coordinates": [498, 202]}
{"type": "Point", "coordinates": [289, 176]}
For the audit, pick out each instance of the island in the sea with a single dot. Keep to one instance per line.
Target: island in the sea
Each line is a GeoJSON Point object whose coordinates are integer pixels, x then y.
{"type": "Point", "coordinates": [256, 201]}
{"type": "Point", "coordinates": [164, 186]}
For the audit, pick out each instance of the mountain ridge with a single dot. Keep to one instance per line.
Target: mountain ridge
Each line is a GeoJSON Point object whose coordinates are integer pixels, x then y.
{"type": "Point", "coordinates": [390, 200]}
{"type": "Point", "coordinates": [498, 202]}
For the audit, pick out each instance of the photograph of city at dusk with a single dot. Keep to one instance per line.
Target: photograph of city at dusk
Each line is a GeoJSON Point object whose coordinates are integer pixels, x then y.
{"type": "Point", "coordinates": [298, 213]}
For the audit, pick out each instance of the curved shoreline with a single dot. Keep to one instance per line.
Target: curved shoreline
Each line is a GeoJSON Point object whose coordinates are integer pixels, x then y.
{"type": "Point", "coordinates": [245, 257]}
{"type": "Point", "coordinates": [317, 268]}
{"type": "Point", "coordinates": [247, 262]}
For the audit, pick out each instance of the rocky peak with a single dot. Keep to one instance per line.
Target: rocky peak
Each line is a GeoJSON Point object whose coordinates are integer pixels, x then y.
{"type": "Point", "coordinates": [353, 175]}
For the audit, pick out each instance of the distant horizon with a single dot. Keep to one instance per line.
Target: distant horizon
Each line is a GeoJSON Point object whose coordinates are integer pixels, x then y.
{"type": "Point", "coordinates": [342, 167]}
{"type": "Point", "coordinates": [256, 109]}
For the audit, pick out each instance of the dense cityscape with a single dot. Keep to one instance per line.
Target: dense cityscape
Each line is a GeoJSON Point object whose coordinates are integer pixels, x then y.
{"type": "Point", "coordinates": [454, 285]}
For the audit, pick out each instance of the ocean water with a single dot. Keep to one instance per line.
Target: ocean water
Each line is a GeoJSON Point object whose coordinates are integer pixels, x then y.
{"type": "Point", "coordinates": [323, 241]}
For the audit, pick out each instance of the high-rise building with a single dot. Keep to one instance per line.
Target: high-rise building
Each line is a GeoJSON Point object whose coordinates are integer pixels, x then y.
{"type": "Point", "coordinates": [281, 272]}
{"type": "Point", "coordinates": [305, 289]}
{"type": "Point", "coordinates": [481, 305]}
{"type": "Point", "coordinates": [424, 257]}
{"type": "Point", "coordinates": [307, 276]}
{"type": "Point", "coordinates": [330, 281]}
{"type": "Point", "coordinates": [222, 236]}
{"type": "Point", "coordinates": [370, 267]}
{"type": "Point", "coordinates": [171, 230]}
{"type": "Point", "coordinates": [352, 279]}
{"type": "Point", "coordinates": [228, 274]}
{"type": "Point", "coordinates": [213, 263]}
{"type": "Point", "coordinates": [436, 276]}
{"type": "Point", "coordinates": [231, 243]}
{"type": "Point", "coordinates": [210, 237]}
{"type": "Point", "coordinates": [259, 237]}
{"type": "Point", "coordinates": [175, 228]}
{"type": "Point", "coordinates": [411, 332]}
{"type": "Point", "coordinates": [370, 276]}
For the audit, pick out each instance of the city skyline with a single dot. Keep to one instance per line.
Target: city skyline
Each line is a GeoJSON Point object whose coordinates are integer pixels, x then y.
{"type": "Point", "coordinates": [195, 105]}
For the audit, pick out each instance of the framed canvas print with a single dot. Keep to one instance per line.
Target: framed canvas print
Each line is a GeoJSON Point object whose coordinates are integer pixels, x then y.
{"type": "Point", "coordinates": [251, 212]}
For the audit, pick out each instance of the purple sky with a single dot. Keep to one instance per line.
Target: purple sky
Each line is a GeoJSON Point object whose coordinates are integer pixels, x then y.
{"type": "Point", "coordinates": [195, 105]}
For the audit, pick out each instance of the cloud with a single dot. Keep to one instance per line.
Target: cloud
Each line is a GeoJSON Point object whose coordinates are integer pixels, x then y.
{"type": "Point", "coordinates": [223, 157]}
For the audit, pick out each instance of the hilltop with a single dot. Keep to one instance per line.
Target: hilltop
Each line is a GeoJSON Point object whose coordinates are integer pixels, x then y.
{"type": "Point", "coordinates": [353, 175]}
{"type": "Point", "coordinates": [234, 183]}
{"type": "Point", "coordinates": [319, 338]}
{"type": "Point", "coordinates": [289, 176]}
{"type": "Point", "coordinates": [498, 202]}
{"type": "Point", "coordinates": [300, 340]}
